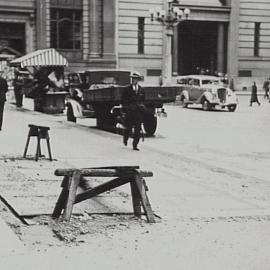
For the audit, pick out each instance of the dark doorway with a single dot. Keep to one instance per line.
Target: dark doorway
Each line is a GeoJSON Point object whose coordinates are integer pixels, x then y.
{"type": "Point", "coordinates": [197, 47]}
{"type": "Point", "coordinates": [13, 35]}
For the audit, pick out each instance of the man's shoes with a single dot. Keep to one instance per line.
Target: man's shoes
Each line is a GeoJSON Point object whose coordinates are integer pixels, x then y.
{"type": "Point", "coordinates": [125, 142]}
{"type": "Point", "coordinates": [136, 148]}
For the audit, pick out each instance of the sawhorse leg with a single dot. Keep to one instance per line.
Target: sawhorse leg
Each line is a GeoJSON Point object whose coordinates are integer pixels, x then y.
{"type": "Point", "coordinates": [141, 189]}
{"type": "Point", "coordinates": [27, 144]}
{"type": "Point", "coordinates": [72, 195]}
{"type": "Point", "coordinates": [38, 150]}
{"type": "Point", "coordinates": [62, 200]}
{"type": "Point", "coordinates": [136, 199]}
{"type": "Point", "coordinates": [49, 148]}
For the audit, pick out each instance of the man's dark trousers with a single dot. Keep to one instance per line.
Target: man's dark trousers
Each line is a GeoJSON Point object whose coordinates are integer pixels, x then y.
{"type": "Point", "coordinates": [2, 104]}
{"type": "Point", "coordinates": [137, 133]}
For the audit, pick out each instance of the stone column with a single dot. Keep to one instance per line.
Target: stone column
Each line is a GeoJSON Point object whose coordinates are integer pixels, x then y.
{"type": "Point", "coordinates": [94, 46]}
{"type": "Point", "coordinates": [220, 48]}
{"type": "Point", "coordinates": [41, 24]}
{"type": "Point", "coordinates": [85, 27]}
{"type": "Point", "coordinates": [233, 38]}
{"type": "Point", "coordinates": [109, 50]}
{"type": "Point", "coordinates": [175, 51]}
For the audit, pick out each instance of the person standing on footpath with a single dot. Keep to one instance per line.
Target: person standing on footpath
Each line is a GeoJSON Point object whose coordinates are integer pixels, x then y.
{"type": "Point", "coordinates": [132, 101]}
{"type": "Point", "coordinates": [254, 96]}
{"type": "Point", "coordinates": [266, 89]}
{"type": "Point", "coordinates": [18, 88]}
{"type": "Point", "coordinates": [3, 91]}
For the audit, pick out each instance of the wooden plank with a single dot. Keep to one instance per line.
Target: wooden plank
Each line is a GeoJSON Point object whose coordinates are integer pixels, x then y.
{"type": "Point", "coordinates": [100, 172]}
{"type": "Point", "coordinates": [102, 188]}
{"type": "Point", "coordinates": [144, 199]}
{"type": "Point", "coordinates": [72, 194]}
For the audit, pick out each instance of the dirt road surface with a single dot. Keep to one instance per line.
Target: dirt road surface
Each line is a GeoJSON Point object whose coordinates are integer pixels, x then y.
{"type": "Point", "coordinates": [211, 189]}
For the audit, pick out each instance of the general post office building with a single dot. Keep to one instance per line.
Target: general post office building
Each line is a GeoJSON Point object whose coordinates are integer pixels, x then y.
{"type": "Point", "coordinates": [231, 37]}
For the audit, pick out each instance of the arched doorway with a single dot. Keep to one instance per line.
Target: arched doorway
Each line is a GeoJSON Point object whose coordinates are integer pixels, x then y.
{"type": "Point", "coordinates": [201, 47]}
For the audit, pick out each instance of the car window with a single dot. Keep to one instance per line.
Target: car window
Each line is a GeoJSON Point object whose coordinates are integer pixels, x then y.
{"type": "Point", "coordinates": [74, 78]}
{"type": "Point", "coordinates": [208, 81]}
{"type": "Point", "coordinates": [196, 82]}
{"type": "Point", "coordinates": [189, 81]}
{"type": "Point", "coordinates": [182, 81]}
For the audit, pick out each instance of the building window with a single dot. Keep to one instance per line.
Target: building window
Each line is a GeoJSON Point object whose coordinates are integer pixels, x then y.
{"type": "Point", "coordinates": [245, 73]}
{"type": "Point", "coordinates": [257, 26]}
{"type": "Point", "coordinates": [66, 29]}
{"type": "Point", "coordinates": [141, 35]}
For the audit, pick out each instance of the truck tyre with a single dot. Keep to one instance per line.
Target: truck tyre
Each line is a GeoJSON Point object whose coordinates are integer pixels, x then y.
{"type": "Point", "coordinates": [70, 114]}
{"type": "Point", "coordinates": [150, 125]}
{"type": "Point", "coordinates": [105, 120]}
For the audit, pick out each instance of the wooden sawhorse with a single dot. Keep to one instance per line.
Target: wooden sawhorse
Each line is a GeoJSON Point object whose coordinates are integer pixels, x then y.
{"type": "Point", "coordinates": [40, 132]}
{"type": "Point", "coordinates": [124, 175]}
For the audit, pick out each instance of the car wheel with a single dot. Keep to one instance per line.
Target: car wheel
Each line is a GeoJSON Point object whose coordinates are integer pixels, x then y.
{"type": "Point", "coordinates": [206, 105]}
{"type": "Point", "coordinates": [232, 108]}
{"type": "Point", "coordinates": [70, 114]}
{"type": "Point", "coordinates": [184, 103]}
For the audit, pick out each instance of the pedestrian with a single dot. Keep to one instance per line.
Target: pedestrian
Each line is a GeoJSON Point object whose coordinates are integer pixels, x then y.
{"type": "Point", "coordinates": [231, 84]}
{"type": "Point", "coordinates": [132, 101]}
{"type": "Point", "coordinates": [254, 96]}
{"type": "Point", "coordinates": [3, 91]}
{"type": "Point", "coordinates": [266, 89]}
{"type": "Point", "coordinates": [18, 88]}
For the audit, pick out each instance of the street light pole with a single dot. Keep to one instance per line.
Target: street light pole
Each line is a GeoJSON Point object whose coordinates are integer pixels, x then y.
{"type": "Point", "coordinates": [169, 18]}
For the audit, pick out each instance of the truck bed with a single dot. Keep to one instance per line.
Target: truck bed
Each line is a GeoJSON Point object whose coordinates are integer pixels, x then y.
{"type": "Point", "coordinates": [153, 94]}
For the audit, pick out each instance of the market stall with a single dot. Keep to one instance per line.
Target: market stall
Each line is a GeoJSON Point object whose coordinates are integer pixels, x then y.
{"type": "Point", "coordinates": [47, 68]}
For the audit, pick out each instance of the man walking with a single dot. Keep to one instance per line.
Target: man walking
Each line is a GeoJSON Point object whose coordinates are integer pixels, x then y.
{"type": "Point", "coordinates": [266, 89]}
{"type": "Point", "coordinates": [132, 101]}
{"type": "Point", "coordinates": [254, 96]}
{"type": "Point", "coordinates": [3, 90]}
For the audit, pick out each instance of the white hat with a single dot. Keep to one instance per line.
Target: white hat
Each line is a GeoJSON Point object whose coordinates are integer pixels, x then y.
{"type": "Point", "coordinates": [136, 75]}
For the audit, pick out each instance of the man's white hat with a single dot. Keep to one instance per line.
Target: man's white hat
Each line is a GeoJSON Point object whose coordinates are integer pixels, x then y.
{"type": "Point", "coordinates": [136, 75]}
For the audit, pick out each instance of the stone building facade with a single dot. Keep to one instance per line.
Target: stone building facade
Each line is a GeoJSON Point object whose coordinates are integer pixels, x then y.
{"type": "Point", "coordinates": [219, 36]}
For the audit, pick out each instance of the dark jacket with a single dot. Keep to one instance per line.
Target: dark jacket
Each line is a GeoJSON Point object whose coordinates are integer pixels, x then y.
{"type": "Point", "coordinates": [3, 89]}
{"type": "Point", "coordinates": [254, 97]}
{"type": "Point", "coordinates": [130, 97]}
{"type": "Point", "coordinates": [133, 103]}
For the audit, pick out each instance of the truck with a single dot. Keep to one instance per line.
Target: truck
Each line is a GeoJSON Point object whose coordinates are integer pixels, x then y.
{"type": "Point", "coordinates": [97, 94]}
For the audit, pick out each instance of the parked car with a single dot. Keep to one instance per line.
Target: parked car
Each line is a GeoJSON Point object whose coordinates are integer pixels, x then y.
{"type": "Point", "coordinates": [209, 91]}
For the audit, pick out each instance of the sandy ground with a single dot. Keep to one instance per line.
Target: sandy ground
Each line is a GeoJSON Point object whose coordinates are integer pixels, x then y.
{"type": "Point", "coordinates": [210, 188]}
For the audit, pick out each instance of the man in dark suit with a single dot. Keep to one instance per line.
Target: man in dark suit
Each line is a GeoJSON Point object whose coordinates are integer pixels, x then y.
{"type": "Point", "coordinates": [3, 90]}
{"type": "Point", "coordinates": [132, 101]}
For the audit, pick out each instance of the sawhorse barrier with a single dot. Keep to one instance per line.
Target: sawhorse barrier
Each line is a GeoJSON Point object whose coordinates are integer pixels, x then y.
{"type": "Point", "coordinates": [124, 175]}
{"type": "Point", "coordinates": [40, 132]}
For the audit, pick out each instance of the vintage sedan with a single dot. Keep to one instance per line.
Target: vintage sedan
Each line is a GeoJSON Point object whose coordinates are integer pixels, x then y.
{"type": "Point", "coordinates": [209, 91]}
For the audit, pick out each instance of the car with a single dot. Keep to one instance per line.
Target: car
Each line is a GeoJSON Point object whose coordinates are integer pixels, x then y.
{"type": "Point", "coordinates": [209, 91]}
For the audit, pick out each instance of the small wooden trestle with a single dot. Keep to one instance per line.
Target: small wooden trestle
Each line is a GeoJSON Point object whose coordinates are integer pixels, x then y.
{"type": "Point", "coordinates": [40, 132]}
{"type": "Point", "coordinates": [124, 175]}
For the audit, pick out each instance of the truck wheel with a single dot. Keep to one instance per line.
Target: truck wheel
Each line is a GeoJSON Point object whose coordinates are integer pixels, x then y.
{"type": "Point", "coordinates": [150, 125]}
{"type": "Point", "coordinates": [105, 120]}
{"type": "Point", "coordinates": [70, 114]}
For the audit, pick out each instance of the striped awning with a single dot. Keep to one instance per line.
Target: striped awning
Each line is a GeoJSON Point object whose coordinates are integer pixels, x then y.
{"type": "Point", "coordinates": [39, 58]}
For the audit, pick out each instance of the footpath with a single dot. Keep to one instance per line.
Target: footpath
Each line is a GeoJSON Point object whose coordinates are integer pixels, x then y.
{"type": "Point", "coordinates": [31, 187]}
